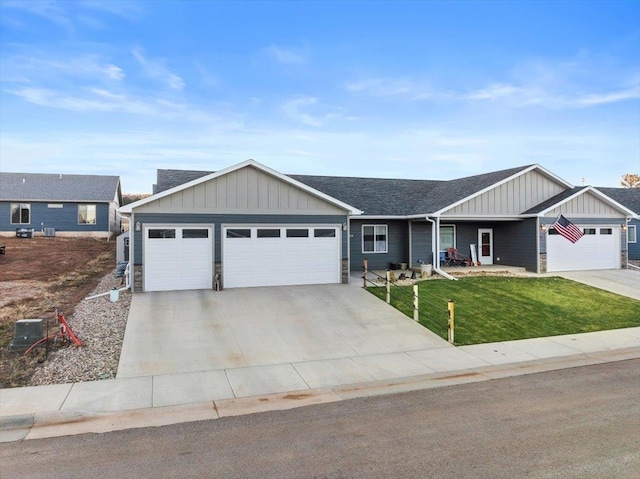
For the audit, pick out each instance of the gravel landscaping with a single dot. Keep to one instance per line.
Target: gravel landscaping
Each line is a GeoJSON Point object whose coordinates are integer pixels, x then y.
{"type": "Point", "coordinates": [101, 325]}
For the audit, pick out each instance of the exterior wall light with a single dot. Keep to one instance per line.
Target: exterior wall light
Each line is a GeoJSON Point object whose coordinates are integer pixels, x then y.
{"type": "Point", "coordinates": [138, 226]}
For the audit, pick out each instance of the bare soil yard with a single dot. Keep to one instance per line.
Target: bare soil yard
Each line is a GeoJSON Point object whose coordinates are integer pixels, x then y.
{"type": "Point", "coordinates": [64, 270]}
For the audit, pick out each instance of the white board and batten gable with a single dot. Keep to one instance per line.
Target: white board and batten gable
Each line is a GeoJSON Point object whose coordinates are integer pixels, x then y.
{"type": "Point", "coordinates": [246, 188]}
{"type": "Point", "coordinates": [511, 196]}
{"type": "Point", "coordinates": [585, 203]}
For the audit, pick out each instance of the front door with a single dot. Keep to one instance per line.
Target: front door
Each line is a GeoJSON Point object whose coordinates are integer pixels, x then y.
{"type": "Point", "coordinates": [485, 245]}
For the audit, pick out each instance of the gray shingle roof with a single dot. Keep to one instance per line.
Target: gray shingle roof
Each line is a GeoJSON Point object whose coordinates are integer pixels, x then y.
{"type": "Point", "coordinates": [48, 187]}
{"type": "Point", "coordinates": [629, 197]}
{"type": "Point", "coordinates": [376, 196]}
{"type": "Point", "coordinates": [167, 179]}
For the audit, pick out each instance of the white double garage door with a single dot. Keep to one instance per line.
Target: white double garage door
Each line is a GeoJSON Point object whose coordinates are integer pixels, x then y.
{"type": "Point", "coordinates": [599, 248]}
{"type": "Point", "coordinates": [178, 257]}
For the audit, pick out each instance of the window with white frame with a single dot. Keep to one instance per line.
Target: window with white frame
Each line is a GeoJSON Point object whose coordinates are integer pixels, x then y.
{"type": "Point", "coordinates": [86, 214]}
{"type": "Point", "coordinates": [374, 239]}
{"type": "Point", "coordinates": [20, 213]}
{"type": "Point", "coordinates": [631, 234]}
{"type": "Point", "coordinates": [447, 237]}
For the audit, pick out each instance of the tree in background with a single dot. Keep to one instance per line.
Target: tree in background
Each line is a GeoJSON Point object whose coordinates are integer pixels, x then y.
{"type": "Point", "coordinates": [131, 197]}
{"type": "Point", "coordinates": [630, 180]}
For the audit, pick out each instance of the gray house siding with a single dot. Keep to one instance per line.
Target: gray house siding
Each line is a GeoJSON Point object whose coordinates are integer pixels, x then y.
{"type": "Point", "coordinates": [634, 248]}
{"type": "Point", "coordinates": [421, 244]}
{"type": "Point", "coordinates": [398, 244]}
{"type": "Point", "coordinates": [62, 219]}
{"type": "Point", "coordinates": [219, 220]}
{"type": "Point", "coordinates": [515, 244]}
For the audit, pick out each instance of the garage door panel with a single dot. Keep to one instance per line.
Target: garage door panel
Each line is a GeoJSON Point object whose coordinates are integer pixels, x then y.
{"type": "Point", "coordinates": [591, 251]}
{"type": "Point", "coordinates": [291, 258]}
{"type": "Point", "coordinates": [181, 262]}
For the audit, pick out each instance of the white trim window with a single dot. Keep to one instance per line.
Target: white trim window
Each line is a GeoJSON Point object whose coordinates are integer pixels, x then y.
{"type": "Point", "coordinates": [375, 239]}
{"type": "Point", "coordinates": [447, 237]}
{"type": "Point", "coordinates": [20, 213]}
{"type": "Point", "coordinates": [631, 234]}
{"type": "Point", "coordinates": [86, 214]}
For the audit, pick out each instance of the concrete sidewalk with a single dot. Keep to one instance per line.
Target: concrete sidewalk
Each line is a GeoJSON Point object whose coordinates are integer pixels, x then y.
{"type": "Point", "coordinates": [101, 406]}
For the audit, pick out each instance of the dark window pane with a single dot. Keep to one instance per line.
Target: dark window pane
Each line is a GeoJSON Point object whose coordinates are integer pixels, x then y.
{"type": "Point", "coordinates": [195, 233]}
{"type": "Point", "coordinates": [606, 231]}
{"type": "Point", "coordinates": [162, 233]}
{"type": "Point", "coordinates": [589, 231]}
{"type": "Point", "coordinates": [367, 239]}
{"type": "Point", "coordinates": [324, 233]}
{"type": "Point", "coordinates": [297, 233]}
{"type": "Point", "coordinates": [239, 233]}
{"type": "Point", "coordinates": [553, 231]}
{"type": "Point", "coordinates": [269, 233]}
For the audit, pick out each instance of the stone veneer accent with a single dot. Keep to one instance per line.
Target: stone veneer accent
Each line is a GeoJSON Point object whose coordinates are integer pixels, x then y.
{"type": "Point", "coordinates": [137, 277]}
{"type": "Point", "coordinates": [543, 262]}
{"type": "Point", "coordinates": [345, 271]}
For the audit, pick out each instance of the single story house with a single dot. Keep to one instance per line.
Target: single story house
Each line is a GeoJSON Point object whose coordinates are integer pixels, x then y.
{"type": "Point", "coordinates": [629, 197]}
{"type": "Point", "coordinates": [249, 225]}
{"type": "Point", "coordinates": [61, 205]}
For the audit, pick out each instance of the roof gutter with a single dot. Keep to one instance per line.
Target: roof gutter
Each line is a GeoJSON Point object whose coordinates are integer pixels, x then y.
{"type": "Point", "coordinates": [435, 227]}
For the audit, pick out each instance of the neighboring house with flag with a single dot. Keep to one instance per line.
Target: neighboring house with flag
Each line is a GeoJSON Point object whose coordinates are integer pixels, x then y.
{"type": "Point", "coordinates": [249, 225]}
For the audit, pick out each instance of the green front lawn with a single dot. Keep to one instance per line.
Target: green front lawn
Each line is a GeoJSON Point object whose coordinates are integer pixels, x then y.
{"type": "Point", "coordinates": [494, 308]}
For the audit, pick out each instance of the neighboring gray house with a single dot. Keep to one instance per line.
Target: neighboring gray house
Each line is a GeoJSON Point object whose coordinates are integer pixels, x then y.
{"type": "Point", "coordinates": [629, 197]}
{"type": "Point", "coordinates": [64, 205]}
{"type": "Point", "coordinates": [248, 225]}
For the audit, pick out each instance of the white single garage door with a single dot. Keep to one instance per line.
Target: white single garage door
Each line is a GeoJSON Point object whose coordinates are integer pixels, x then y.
{"type": "Point", "coordinates": [178, 257]}
{"type": "Point", "coordinates": [599, 248]}
{"type": "Point", "coordinates": [280, 255]}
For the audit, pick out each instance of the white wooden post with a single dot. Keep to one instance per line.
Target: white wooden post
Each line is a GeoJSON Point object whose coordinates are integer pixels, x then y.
{"type": "Point", "coordinates": [415, 303]}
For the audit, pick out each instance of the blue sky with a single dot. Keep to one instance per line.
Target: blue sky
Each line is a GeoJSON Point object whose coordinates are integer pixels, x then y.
{"type": "Point", "coordinates": [425, 90]}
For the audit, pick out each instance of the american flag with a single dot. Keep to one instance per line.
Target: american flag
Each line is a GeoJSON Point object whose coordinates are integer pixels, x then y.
{"type": "Point", "coordinates": [567, 229]}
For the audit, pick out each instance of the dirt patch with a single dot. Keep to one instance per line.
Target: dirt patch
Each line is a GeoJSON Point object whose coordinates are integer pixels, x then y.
{"type": "Point", "coordinates": [63, 270]}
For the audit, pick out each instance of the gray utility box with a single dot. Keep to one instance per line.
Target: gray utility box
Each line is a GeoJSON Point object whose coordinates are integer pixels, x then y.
{"type": "Point", "coordinates": [26, 333]}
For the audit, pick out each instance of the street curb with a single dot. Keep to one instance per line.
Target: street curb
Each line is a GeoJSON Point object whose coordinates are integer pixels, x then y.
{"type": "Point", "coordinates": [67, 423]}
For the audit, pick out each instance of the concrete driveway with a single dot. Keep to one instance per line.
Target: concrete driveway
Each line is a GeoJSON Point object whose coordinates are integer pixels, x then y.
{"type": "Point", "coordinates": [625, 282]}
{"type": "Point", "coordinates": [193, 331]}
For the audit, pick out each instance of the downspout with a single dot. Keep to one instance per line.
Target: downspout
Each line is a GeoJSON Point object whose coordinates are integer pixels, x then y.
{"type": "Point", "coordinates": [435, 225]}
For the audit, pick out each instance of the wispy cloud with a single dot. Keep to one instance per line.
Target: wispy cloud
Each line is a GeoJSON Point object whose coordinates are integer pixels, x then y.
{"type": "Point", "coordinates": [293, 109]}
{"type": "Point", "coordinates": [287, 55]}
{"type": "Point", "coordinates": [155, 68]}
{"type": "Point", "coordinates": [66, 14]}
{"type": "Point", "coordinates": [390, 87]}
{"type": "Point", "coordinates": [45, 67]}
{"type": "Point", "coordinates": [51, 10]}
{"type": "Point", "coordinates": [90, 100]}
{"type": "Point", "coordinates": [522, 96]}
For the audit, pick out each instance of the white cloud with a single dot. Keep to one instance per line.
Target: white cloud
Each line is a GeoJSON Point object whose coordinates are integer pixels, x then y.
{"type": "Point", "coordinates": [154, 68]}
{"type": "Point", "coordinates": [389, 87]}
{"type": "Point", "coordinates": [104, 101]}
{"type": "Point", "coordinates": [114, 72]}
{"type": "Point", "coordinates": [51, 10]}
{"type": "Point", "coordinates": [613, 97]}
{"type": "Point", "coordinates": [44, 67]}
{"type": "Point", "coordinates": [287, 56]}
{"type": "Point", "coordinates": [292, 109]}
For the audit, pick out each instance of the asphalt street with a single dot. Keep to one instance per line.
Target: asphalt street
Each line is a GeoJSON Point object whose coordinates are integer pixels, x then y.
{"type": "Point", "coordinates": [572, 423]}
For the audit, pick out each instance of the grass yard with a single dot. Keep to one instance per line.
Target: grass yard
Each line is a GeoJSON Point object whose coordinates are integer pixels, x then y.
{"type": "Point", "coordinates": [493, 308]}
